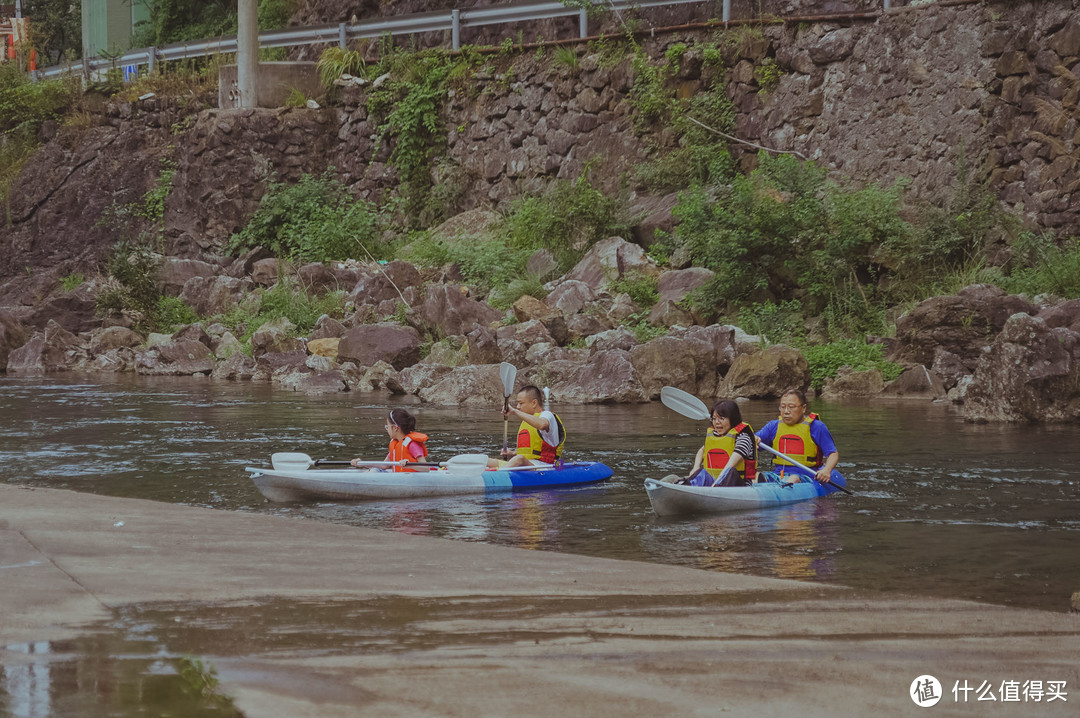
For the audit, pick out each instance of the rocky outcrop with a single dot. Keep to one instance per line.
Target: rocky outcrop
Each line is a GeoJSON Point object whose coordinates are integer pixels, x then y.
{"type": "Point", "coordinates": [766, 374]}
{"type": "Point", "coordinates": [370, 343]}
{"type": "Point", "coordinates": [1031, 373]}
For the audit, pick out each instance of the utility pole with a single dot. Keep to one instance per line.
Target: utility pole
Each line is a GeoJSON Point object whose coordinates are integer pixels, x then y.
{"type": "Point", "coordinates": [247, 51]}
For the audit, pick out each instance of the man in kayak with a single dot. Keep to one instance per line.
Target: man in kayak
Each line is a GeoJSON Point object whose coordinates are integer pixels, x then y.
{"type": "Point", "coordinates": [406, 443]}
{"type": "Point", "coordinates": [729, 454]}
{"type": "Point", "coordinates": [804, 437]}
{"type": "Point", "coordinates": [541, 435]}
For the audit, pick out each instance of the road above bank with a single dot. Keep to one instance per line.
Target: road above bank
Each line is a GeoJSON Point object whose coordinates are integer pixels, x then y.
{"type": "Point", "coordinates": [403, 625]}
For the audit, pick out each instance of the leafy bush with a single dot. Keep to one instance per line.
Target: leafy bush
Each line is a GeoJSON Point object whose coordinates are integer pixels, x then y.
{"type": "Point", "coordinates": [314, 220]}
{"type": "Point", "coordinates": [284, 299]}
{"type": "Point", "coordinates": [567, 219]}
{"type": "Point", "coordinates": [826, 359]}
{"type": "Point", "coordinates": [640, 287]}
{"type": "Point", "coordinates": [25, 104]}
{"type": "Point", "coordinates": [131, 288]}
{"type": "Point", "coordinates": [1051, 268]}
{"type": "Point", "coordinates": [781, 322]}
{"type": "Point", "coordinates": [486, 263]}
{"type": "Point", "coordinates": [503, 298]}
{"type": "Point", "coordinates": [335, 62]}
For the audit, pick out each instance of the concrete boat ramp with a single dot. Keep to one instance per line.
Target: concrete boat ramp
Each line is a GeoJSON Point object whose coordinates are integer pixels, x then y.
{"type": "Point", "coordinates": [304, 618]}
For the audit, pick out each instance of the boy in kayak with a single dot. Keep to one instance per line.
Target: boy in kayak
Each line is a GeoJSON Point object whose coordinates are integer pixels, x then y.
{"type": "Point", "coordinates": [804, 437]}
{"type": "Point", "coordinates": [540, 436]}
{"type": "Point", "coordinates": [729, 453]}
{"type": "Point", "coordinates": [406, 443]}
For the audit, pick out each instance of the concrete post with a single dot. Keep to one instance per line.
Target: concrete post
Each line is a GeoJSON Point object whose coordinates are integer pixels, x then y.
{"type": "Point", "coordinates": [247, 51]}
{"type": "Point", "coordinates": [455, 29]}
{"type": "Point", "coordinates": [151, 60]}
{"type": "Point", "coordinates": [342, 37]}
{"type": "Point", "coordinates": [727, 11]}
{"type": "Point", "coordinates": [583, 23]}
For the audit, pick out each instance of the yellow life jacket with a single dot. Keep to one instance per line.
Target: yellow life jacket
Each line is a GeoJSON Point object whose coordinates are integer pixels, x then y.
{"type": "Point", "coordinates": [532, 446]}
{"type": "Point", "coordinates": [718, 450]}
{"type": "Point", "coordinates": [795, 441]}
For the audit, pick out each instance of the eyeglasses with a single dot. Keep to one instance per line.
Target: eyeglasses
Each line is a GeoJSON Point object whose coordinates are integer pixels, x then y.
{"type": "Point", "coordinates": [718, 419]}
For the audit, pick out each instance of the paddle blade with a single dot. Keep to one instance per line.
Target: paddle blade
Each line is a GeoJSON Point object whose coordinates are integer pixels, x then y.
{"type": "Point", "coordinates": [685, 403]}
{"type": "Point", "coordinates": [508, 374]}
{"type": "Point", "coordinates": [467, 464]}
{"type": "Point", "coordinates": [289, 461]}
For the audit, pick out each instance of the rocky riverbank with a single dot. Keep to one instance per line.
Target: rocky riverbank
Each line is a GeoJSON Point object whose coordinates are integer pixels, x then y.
{"type": "Point", "coordinates": [405, 331]}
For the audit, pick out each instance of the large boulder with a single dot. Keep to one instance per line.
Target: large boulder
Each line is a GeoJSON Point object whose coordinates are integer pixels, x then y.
{"type": "Point", "coordinates": [610, 259]}
{"type": "Point", "coordinates": [175, 273]}
{"type": "Point", "coordinates": [766, 374]}
{"type": "Point", "coordinates": [447, 309]}
{"type": "Point", "coordinates": [916, 382]}
{"type": "Point", "coordinates": [570, 297]}
{"type": "Point", "coordinates": [655, 214]}
{"type": "Point", "coordinates": [182, 358]}
{"type": "Point", "coordinates": [275, 337]}
{"type": "Point", "coordinates": [515, 340]}
{"type": "Point", "coordinates": [75, 311]}
{"type": "Point", "coordinates": [369, 343]}
{"type": "Point", "coordinates": [388, 282]}
{"type": "Point", "coordinates": [214, 295]}
{"type": "Point", "coordinates": [691, 360]}
{"type": "Point", "coordinates": [420, 376]}
{"type": "Point", "coordinates": [607, 377]}
{"type": "Point", "coordinates": [237, 367]}
{"type": "Point", "coordinates": [1063, 314]}
{"type": "Point", "coordinates": [675, 284]}
{"type": "Point", "coordinates": [1031, 373]}
{"type": "Point", "coordinates": [473, 385]}
{"type": "Point", "coordinates": [54, 349]}
{"type": "Point", "coordinates": [12, 335]}
{"type": "Point", "coordinates": [850, 384]}
{"type": "Point", "coordinates": [483, 345]}
{"type": "Point", "coordinates": [963, 324]}
{"type": "Point", "coordinates": [104, 340]}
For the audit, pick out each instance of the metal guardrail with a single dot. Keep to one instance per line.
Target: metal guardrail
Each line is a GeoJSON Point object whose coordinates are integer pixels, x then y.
{"type": "Point", "coordinates": [342, 33]}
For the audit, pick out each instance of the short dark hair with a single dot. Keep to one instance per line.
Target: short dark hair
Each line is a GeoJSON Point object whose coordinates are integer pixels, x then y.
{"type": "Point", "coordinates": [797, 394]}
{"type": "Point", "coordinates": [403, 419]}
{"type": "Point", "coordinates": [727, 409]}
{"type": "Point", "coordinates": [532, 391]}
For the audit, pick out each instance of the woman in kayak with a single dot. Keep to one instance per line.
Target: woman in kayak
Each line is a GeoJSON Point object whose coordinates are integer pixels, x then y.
{"type": "Point", "coordinates": [729, 453]}
{"type": "Point", "coordinates": [406, 443]}
{"type": "Point", "coordinates": [803, 437]}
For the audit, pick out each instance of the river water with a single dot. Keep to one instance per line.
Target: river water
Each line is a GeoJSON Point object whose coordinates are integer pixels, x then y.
{"type": "Point", "coordinates": [941, 507]}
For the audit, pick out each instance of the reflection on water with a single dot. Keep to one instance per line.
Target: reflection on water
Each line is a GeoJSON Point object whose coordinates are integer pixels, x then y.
{"type": "Point", "coordinates": [942, 507]}
{"type": "Point", "coordinates": [118, 671]}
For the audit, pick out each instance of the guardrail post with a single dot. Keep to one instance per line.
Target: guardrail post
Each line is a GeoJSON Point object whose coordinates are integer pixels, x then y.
{"type": "Point", "coordinates": [583, 23]}
{"type": "Point", "coordinates": [727, 10]}
{"type": "Point", "coordinates": [341, 35]}
{"type": "Point", "coordinates": [455, 29]}
{"type": "Point", "coordinates": [151, 60]}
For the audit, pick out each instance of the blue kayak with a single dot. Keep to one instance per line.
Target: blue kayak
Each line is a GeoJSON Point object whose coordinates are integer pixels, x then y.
{"type": "Point", "coordinates": [669, 499]}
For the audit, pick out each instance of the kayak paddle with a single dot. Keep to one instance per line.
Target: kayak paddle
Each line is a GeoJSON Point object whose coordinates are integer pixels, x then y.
{"type": "Point", "coordinates": [290, 461]}
{"type": "Point", "coordinates": [508, 374]}
{"type": "Point", "coordinates": [691, 407]}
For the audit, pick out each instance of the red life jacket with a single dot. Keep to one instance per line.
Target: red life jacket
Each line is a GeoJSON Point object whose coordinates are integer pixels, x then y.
{"type": "Point", "coordinates": [400, 449]}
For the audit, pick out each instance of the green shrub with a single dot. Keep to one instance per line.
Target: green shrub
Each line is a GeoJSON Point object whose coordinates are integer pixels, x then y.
{"type": "Point", "coordinates": [777, 323]}
{"type": "Point", "coordinates": [173, 313]}
{"type": "Point", "coordinates": [640, 287]}
{"type": "Point", "coordinates": [27, 104]}
{"type": "Point", "coordinates": [1046, 267]}
{"type": "Point", "coordinates": [314, 220]}
{"type": "Point", "coordinates": [286, 300]}
{"type": "Point", "coordinates": [567, 219]}
{"type": "Point", "coordinates": [485, 262]}
{"type": "Point", "coordinates": [335, 62]}
{"type": "Point", "coordinates": [826, 359]}
{"type": "Point", "coordinates": [504, 297]}
{"type": "Point", "coordinates": [72, 281]}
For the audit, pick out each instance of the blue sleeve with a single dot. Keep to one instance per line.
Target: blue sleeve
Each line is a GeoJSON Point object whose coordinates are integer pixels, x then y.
{"type": "Point", "coordinates": [821, 436]}
{"type": "Point", "coordinates": [768, 432]}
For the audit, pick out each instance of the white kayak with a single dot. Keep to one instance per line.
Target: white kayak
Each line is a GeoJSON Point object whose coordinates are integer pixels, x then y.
{"type": "Point", "coordinates": [669, 499]}
{"type": "Point", "coordinates": [293, 481]}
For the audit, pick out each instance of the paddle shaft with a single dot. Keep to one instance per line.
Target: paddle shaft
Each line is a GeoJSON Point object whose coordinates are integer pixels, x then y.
{"type": "Point", "coordinates": [787, 458]}
{"type": "Point", "coordinates": [325, 462]}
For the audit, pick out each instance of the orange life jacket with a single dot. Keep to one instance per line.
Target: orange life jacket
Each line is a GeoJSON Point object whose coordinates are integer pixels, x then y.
{"type": "Point", "coordinates": [718, 450]}
{"type": "Point", "coordinates": [795, 441]}
{"type": "Point", "coordinates": [400, 449]}
{"type": "Point", "coordinates": [532, 446]}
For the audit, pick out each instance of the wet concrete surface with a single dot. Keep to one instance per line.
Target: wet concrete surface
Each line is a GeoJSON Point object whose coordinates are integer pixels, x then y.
{"type": "Point", "coordinates": [302, 618]}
